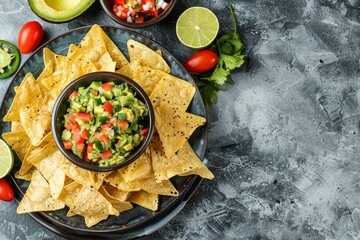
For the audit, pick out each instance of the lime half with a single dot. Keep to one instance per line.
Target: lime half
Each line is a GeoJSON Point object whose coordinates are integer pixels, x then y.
{"type": "Point", "coordinates": [6, 159]}
{"type": "Point", "coordinates": [197, 27]}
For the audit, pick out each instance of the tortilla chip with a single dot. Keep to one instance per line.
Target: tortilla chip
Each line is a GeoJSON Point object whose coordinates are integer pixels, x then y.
{"type": "Point", "coordinates": [19, 142]}
{"type": "Point", "coordinates": [115, 192]}
{"type": "Point", "coordinates": [58, 60]}
{"type": "Point", "coordinates": [72, 50]}
{"type": "Point", "coordinates": [27, 92]}
{"type": "Point", "coordinates": [81, 175]}
{"type": "Point", "coordinates": [75, 66]}
{"type": "Point", "coordinates": [121, 206]}
{"type": "Point", "coordinates": [146, 56]}
{"type": "Point", "coordinates": [69, 193]}
{"type": "Point", "coordinates": [16, 126]}
{"type": "Point", "coordinates": [101, 50]}
{"type": "Point", "coordinates": [95, 210]}
{"type": "Point", "coordinates": [164, 188]}
{"type": "Point", "coordinates": [145, 199]}
{"type": "Point", "coordinates": [184, 162]}
{"type": "Point", "coordinates": [37, 197]}
{"type": "Point", "coordinates": [113, 50]}
{"type": "Point", "coordinates": [159, 52]}
{"type": "Point", "coordinates": [116, 179]}
{"type": "Point", "coordinates": [175, 127]}
{"type": "Point", "coordinates": [129, 69]}
{"type": "Point", "coordinates": [47, 72]}
{"type": "Point", "coordinates": [56, 183]}
{"type": "Point", "coordinates": [171, 92]}
{"type": "Point", "coordinates": [148, 78]}
{"type": "Point", "coordinates": [27, 176]}
{"type": "Point", "coordinates": [140, 168]}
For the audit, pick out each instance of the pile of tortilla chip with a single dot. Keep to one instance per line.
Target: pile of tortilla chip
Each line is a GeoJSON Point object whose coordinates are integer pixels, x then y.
{"type": "Point", "coordinates": [54, 181]}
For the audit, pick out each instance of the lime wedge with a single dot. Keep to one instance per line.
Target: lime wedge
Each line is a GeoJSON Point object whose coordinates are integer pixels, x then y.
{"type": "Point", "coordinates": [6, 159]}
{"type": "Point", "coordinates": [197, 27]}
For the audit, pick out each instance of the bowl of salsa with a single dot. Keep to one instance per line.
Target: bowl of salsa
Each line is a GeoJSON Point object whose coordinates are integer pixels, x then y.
{"type": "Point", "coordinates": [137, 13]}
{"type": "Point", "coordinates": [102, 121]}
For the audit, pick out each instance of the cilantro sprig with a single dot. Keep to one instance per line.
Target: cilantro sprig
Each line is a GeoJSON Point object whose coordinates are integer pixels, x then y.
{"type": "Point", "coordinates": [229, 48]}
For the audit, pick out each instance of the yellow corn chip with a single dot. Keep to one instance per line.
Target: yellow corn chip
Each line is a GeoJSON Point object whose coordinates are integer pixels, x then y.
{"type": "Point", "coordinates": [146, 56]}
{"type": "Point", "coordinates": [172, 92]}
{"type": "Point", "coordinates": [98, 208]}
{"type": "Point", "coordinates": [27, 92]}
{"type": "Point", "coordinates": [116, 179]}
{"type": "Point", "coordinates": [128, 70]}
{"type": "Point", "coordinates": [18, 141]}
{"type": "Point", "coordinates": [140, 168]}
{"type": "Point", "coordinates": [121, 206]}
{"type": "Point", "coordinates": [145, 199]}
{"type": "Point", "coordinates": [16, 126]}
{"type": "Point", "coordinates": [37, 197]}
{"type": "Point", "coordinates": [115, 192]}
{"type": "Point", "coordinates": [56, 183]}
{"type": "Point", "coordinates": [185, 162]}
{"type": "Point", "coordinates": [69, 193]}
{"type": "Point", "coordinates": [175, 127]}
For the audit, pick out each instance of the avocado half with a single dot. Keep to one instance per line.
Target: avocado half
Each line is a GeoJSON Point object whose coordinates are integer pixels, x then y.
{"type": "Point", "coordinates": [59, 11]}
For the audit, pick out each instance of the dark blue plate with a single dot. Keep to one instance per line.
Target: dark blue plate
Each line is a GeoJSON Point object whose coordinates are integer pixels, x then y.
{"type": "Point", "coordinates": [138, 221]}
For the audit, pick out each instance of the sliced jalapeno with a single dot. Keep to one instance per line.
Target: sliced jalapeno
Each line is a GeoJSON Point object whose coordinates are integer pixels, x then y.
{"type": "Point", "coordinates": [9, 59]}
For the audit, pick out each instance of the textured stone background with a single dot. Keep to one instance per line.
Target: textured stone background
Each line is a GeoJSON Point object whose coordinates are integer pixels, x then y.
{"type": "Point", "coordinates": [283, 141]}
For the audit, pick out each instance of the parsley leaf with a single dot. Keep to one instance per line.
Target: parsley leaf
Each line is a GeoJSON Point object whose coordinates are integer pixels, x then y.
{"type": "Point", "coordinates": [229, 48]}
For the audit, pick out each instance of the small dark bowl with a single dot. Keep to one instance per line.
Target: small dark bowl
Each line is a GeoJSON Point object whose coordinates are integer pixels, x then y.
{"type": "Point", "coordinates": [62, 104]}
{"type": "Point", "coordinates": [107, 5]}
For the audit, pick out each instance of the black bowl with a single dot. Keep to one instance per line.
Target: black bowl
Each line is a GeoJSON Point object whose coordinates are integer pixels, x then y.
{"type": "Point", "coordinates": [62, 104]}
{"type": "Point", "coordinates": [107, 5]}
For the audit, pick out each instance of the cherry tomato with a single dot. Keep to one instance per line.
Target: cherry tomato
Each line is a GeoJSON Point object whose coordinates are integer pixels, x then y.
{"type": "Point", "coordinates": [6, 192]}
{"type": "Point", "coordinates": [30, 36]}
{"type": "Point", "coordinates": [202, 61]}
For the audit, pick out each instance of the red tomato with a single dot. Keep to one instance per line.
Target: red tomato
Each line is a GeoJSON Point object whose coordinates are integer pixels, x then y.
{"type": "Point", "coordinates": [73, 95]}
{"type": "Point", "coordinates": [80, 147]}
{"type": "Point", "coordinates": [123, 125]}
{"type": "Point", "coordinates": [6, 192]}
{"type": "Point", "coordinates": [106, 154]}
{"type": "Point", "coordinates": [202, 61]}
{"type": "Point", "coordinates": [96, 136]}
{"type": "Point", "coordinates": [75, 127]}
{"type": "Point", "coordinates": [77, 137]}
{"type": "Point", "coordinates": [86, 156]}
{"type": "Point", "coordinates": [67, 126]}
{"type": "Point", "coordinates": [90, 148]}
{"type": "Point", "coordinates": [67, 144]}
{"type": "Point", "coordinates": [139, 19]}
{"type": "Point", "coordinates": [30, 36]}
{"type": "Point", "coordinates": [106, 86]}
{"type": "Point", "coordinates": [103, 138]}
{"type": "Point", "coordinates": [119, 2]}
{"type": "Point", "coordinates": [84, 134]}
{"type": "Point", "coordinates": [95, 93]}
{"type": "Point", "coordinates": [71, 118]}
{"type": "Point", "coordinates": [144, 132]}
{"type": "Point", "coordinates": [106, 127]}
{"type": "Point", "coordinates": [84, 116]}
{"type": "Point", "coordinates": [108, 107]}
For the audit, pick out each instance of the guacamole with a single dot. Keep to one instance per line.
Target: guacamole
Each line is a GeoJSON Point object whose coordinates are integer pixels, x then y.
{"type": "Point", "coordinates": [104, 123]}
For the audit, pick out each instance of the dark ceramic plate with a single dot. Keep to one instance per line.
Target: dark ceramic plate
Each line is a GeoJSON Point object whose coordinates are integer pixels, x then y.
{"type": "Point", "coordinates": [138, 221]}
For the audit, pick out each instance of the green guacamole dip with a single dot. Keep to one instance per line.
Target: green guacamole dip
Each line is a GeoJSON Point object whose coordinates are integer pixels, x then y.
{"type": "Point", "coordinates": [103, 123]}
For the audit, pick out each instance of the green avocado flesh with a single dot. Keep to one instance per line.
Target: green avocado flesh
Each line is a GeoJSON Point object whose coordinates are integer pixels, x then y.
{"type": "Point", "coordinates": [59, 11]}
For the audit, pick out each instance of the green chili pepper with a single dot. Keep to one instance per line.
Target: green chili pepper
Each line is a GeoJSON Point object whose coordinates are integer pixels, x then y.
{"type": "Point", "coordinates": [9, 59]}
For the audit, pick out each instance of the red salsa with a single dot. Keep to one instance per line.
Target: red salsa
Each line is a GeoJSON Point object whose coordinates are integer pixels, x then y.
{"type": "Point", "coordinates": [139, 11]}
